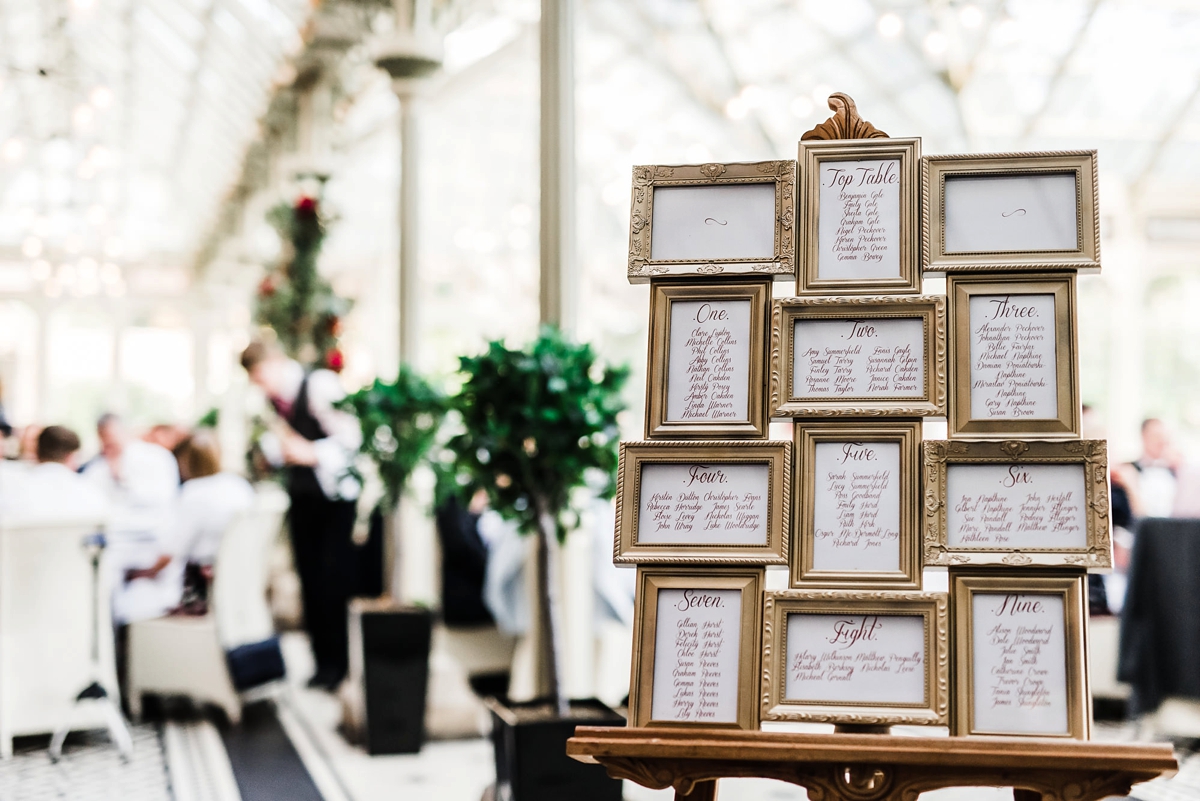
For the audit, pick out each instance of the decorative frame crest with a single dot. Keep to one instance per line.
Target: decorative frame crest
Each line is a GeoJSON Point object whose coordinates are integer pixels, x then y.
{"type": "Point", "coordinates": [780, 266]}
{"type": "Point", "coordinates": [933, 608]}
{"type": "Point", "coordinates": [776, 454]}
{"type": "Point", "coordinates": [1091, 455]}
{"type": "Point", "coordinates": [845, 122]}
{"type": "Point", "coordinates": [785, 312]}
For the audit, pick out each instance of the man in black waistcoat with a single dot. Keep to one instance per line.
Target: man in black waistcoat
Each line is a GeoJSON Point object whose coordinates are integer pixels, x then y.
{"type": "Point", "coordinates": [316, 445]}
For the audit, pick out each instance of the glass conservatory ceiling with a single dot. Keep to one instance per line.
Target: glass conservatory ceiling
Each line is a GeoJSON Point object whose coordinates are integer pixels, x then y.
{"type": "Point", "coordinates": [123, 122]}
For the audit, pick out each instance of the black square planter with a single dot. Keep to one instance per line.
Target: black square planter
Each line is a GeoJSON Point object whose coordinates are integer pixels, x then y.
{"type": "Point", "coordinates": [395, 644]}
{"type": "Point", "coordinates": [530, 740]}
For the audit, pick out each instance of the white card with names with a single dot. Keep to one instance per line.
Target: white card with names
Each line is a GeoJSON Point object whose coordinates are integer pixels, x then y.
{"type": "Point", "coordinates": [1014, 373]}
{"type": "Point", "coordinates": [1016, 506]}
{"type": "Point", "coordinates": [708, 377]}
{"type": "Point", "coordinates": [1019, 663]}
{"type": "Point", "coordinates": [856, 506]}
{"type": "Point", "coordinates": [878, 357]}
{"type": "Point", "coordinates": [866, 659]}
{"type": "Point", "coordinates": [858, 233]}
{"type": "Point", "coordinates": [686, 503]}
{"type": "Point", "coordinates": [697, 644]}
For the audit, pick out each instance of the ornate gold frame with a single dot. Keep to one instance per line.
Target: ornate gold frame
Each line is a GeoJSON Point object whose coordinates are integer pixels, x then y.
{"type": "Point", "coordinates": [1090, 454]}
{"type": "Point", "coordinates": [1070, 585]}
{"type": "Point", "coordinates": [646, 177]}
{"type": "Point", "coordinates": [662, 295]}
{"type": "Point", "coordinates": [784, 313]}
{"type": "Point", "coordinates": [935, 169]}
{"type": "Point", "coordinates": [811, 154]}
{"type": "Point", "coordinates": [807, 435]}
{"type": "Point", "coordinates": [775, 453]}
{"type": "Point", "coordinates": [645, 620]}
{"type": "Point", "coordinates": [959, 289]}
{"type": "Point", "coordinates": [933, 607]}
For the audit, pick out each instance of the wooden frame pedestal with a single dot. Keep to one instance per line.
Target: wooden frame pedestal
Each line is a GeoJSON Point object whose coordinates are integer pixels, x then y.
{"type": "Point", "coordinates": [869, 767]}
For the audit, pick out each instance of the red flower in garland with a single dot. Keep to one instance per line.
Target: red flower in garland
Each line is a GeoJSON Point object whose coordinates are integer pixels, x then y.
{"type": "Point", "coordinates": [334, 360]}
{"type": "Point", "coordinates": [267, 287]}
{"type": "Point", "coordinates": [306, 207]}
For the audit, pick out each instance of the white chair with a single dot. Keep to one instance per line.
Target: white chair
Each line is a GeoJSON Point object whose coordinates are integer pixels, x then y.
{"type": "Point", "coordinates": [186, 655]}
{"type": "Point", "coordinates": [47, 631]}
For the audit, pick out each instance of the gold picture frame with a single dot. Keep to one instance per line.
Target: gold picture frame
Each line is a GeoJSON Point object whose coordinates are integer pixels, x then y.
{"type": "Point", "coordinates": [663, 297]}
{"type": "Point", "coordinates": [651, 583]}
{"type": "Point", "coordinates": [928, 399]}
{"type": "Point", "coordinates": [1003, 472]}
{"type": "Point", "coordinates": [645, 264]}
{"type": "Point", "coordinates": [1022, 590]}
{"type": "Point", "coordinates": [859, 443]}
{"type": "Point", "coordinates": [728, 480]}
{"type": "Point", "coordinates": [1001, 315]}
{"type": "Point", "coordinates": [1044, 249]}
{"type": "Point", "coordinates": [857, 618]}
{"type": "Point", "coordinates": [812, 155]}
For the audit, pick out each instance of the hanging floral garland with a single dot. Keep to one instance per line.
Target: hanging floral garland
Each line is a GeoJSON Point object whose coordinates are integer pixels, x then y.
{"type": "Point", "coordinates": [293, 299]}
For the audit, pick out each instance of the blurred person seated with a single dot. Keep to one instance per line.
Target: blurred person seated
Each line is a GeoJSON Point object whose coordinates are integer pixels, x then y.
{"type": "Point", "coordinates": [166, 435]}
{"type": "Point", "coordinates": [52, 490]}
{"type": "Point", "coordinates": [316, 445]}
{"type": "Point", "coordinates": [141, 481]}
{"type": "Point", "coordinates": [208, 502]}
{"type": "Point", "coordinates": [1156, 471]}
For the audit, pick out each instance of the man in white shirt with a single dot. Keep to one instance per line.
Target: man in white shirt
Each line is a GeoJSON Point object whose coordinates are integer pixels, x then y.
{"type": "Point", "coordinates": [141, 481]}
{"type": "Point", "coordinates": [316, 444]}
{"type": "Point", "coordinates": [52, 490]}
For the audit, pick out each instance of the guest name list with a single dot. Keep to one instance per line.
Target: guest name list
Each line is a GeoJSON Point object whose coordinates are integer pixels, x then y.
{"type": "Point", "coordinates": [696, 644]}
{"type": "Point", "coordinates": [1016, 506]}
{"type": "Point", "coordinates": [858, 232]}
{"type": "Point", "coordinates": [708, 377]}
{"type": "Point", "coordinates": [856, 508]}
{"type": "Point", "coordinates": [1013, 369]}
{"type": "Point", "coordinates": [856, 658]}
{"type": "Point", "coordinates": [1020, 669]}
{"type": "Point", "coordinates": [848, 358]}
{"type": "Point", "coordinates": [711, 504]}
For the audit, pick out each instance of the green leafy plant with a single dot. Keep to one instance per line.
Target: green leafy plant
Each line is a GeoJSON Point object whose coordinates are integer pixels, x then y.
{"type": "Point", "coordinates": [538, 423]}
{"type": "Point", "coordinates": [293, 299]}
{"type": "Point", "coordinates": [400, 422]}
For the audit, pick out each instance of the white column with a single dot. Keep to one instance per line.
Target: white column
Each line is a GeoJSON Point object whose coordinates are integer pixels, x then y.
{"type": "Point", "coordinates": [409, 282]}
{"type": "Point", "coordinates": [558, 288]}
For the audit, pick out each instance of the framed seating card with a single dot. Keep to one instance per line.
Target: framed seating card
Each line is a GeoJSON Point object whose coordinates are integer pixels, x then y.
{"type": "Point", "coordinates": [877, 658]}
{"type": "Point", "coordinates": [858, 201]}
{"type": "Point", "coordinates": [713, 219]}
{"type": "Point", "coordinates": [1010, 211]}
{"type": "Point", "coordinates": [703, 502]}
{"type": "Point", "coordinates": [1020, 663]}
{"type": "Point", "coordinates": [1014, 359]}
{"type": "Point", "coordinates": [1017, 503]}
{"type": "Point", "coordinates": [696, 636]}
{"type": "Point", "coordinates": [858, 357]}
{"type": "Point", "coordinates": [856, 513]}
{"type": "Point", "coordinates": [705, 375]}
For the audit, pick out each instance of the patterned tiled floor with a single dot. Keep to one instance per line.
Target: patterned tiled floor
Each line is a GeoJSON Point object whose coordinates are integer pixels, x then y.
{"type": "Point", "coordinates": [90, 770]}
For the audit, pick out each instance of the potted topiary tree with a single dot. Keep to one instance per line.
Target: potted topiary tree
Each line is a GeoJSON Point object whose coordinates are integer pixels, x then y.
{"type": "Point", "coordinates": [538, 423]}
{"type": "Point", "coordinates": [390, 643]}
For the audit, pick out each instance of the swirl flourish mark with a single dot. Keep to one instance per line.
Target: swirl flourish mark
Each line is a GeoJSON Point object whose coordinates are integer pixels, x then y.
{"type": "Point", "coordinates": [715, 221]}
{"type": "Point", "coordinates": [1013, 213]}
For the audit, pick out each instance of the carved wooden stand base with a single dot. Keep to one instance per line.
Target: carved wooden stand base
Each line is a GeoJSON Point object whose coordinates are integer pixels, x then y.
{"type": "Point", "coordinates": [868, 767]}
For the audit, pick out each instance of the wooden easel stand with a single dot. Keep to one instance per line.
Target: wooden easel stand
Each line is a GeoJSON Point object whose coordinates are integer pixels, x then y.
{"type": "Point", "coordinates": [869, 767]}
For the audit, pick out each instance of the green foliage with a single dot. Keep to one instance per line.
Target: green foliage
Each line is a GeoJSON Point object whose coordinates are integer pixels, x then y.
{"type": "Point", "coordinates": [293, 299]}
{"type": "Point", "coordinates": [400, 422]}
{"type": "Point", "coordinates": [536, 423]}
{"type": "Point", "coordinates": [210, 419]}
